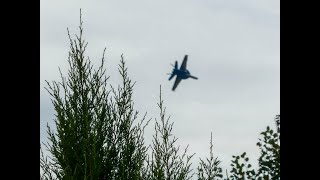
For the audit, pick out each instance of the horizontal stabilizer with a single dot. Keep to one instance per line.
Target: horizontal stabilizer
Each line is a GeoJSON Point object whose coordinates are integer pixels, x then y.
{"type": "Point", "coordinates": [193, 77]}
{"type": "Point", "coordinates": [172, 75]}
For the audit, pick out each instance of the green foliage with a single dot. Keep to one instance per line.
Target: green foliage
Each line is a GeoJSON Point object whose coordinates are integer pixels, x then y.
{"type": "Point", "coordinates": [210, 169]}
{"type": "Point", "coordinates": [241, 168]}
{"type": "Point", "coordinates": [96, 135]}
{"type": "Point", "coordinates": [166, 162]}
{"type": "Point", "coordinates": [269, 160]}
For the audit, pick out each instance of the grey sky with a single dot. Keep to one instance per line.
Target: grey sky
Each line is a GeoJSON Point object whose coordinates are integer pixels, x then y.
{"type": "Point", "coordinates": [233, 48]}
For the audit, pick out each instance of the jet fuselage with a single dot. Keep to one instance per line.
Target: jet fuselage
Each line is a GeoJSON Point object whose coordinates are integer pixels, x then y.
{"type": "Point", "coordinates": [183, 74]}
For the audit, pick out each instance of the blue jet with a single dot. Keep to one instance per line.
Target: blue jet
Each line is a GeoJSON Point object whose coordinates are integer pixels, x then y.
{"type": "Point", "coordinates": [181, 73]}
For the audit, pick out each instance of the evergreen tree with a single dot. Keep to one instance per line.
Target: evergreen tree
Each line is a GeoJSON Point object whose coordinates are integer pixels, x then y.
{"type": "Point", "coordinates": [210, 169]}
{"type": "Point", "coordinates": [167, 163]}
{"type": "Point", "coordinates": [97, 136]}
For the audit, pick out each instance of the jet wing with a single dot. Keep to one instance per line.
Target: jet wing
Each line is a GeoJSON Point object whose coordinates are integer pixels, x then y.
{"type": "Point", "coordinates": [176, 82]}
{"type": "Point", "coordinates": [184, 63]}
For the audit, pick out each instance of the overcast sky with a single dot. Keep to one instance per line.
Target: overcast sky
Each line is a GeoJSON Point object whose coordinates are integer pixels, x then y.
{"type": "Point", "coordinates": [233, 48]}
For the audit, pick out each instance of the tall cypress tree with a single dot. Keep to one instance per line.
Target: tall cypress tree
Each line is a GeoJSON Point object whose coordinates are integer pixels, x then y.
{"type": "Point", "coordinates": [96, 135]}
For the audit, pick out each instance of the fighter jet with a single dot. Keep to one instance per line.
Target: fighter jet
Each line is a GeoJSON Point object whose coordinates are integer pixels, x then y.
{"type": "Point", "coordinates": [181, 73]}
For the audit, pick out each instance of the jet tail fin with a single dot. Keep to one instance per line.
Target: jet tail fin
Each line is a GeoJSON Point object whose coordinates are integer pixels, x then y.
{"type": "Point", "coordinates": [176, 65]}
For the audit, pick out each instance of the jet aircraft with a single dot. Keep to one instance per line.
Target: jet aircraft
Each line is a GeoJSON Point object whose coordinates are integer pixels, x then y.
{"type": "Point", "coordinates": [181, 73]}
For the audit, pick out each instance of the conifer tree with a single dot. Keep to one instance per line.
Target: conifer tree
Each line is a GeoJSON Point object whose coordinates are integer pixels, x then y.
{"type": "Point", "coordinates": [210, 169]}
{"type": "Point", "coordinates": [167, 161]}
{"type": "Point", "coordinates": [97, 132]}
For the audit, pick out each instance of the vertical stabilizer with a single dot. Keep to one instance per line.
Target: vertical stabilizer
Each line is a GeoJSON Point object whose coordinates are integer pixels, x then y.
{"type": "Point", "coordinates": [176, 65]}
